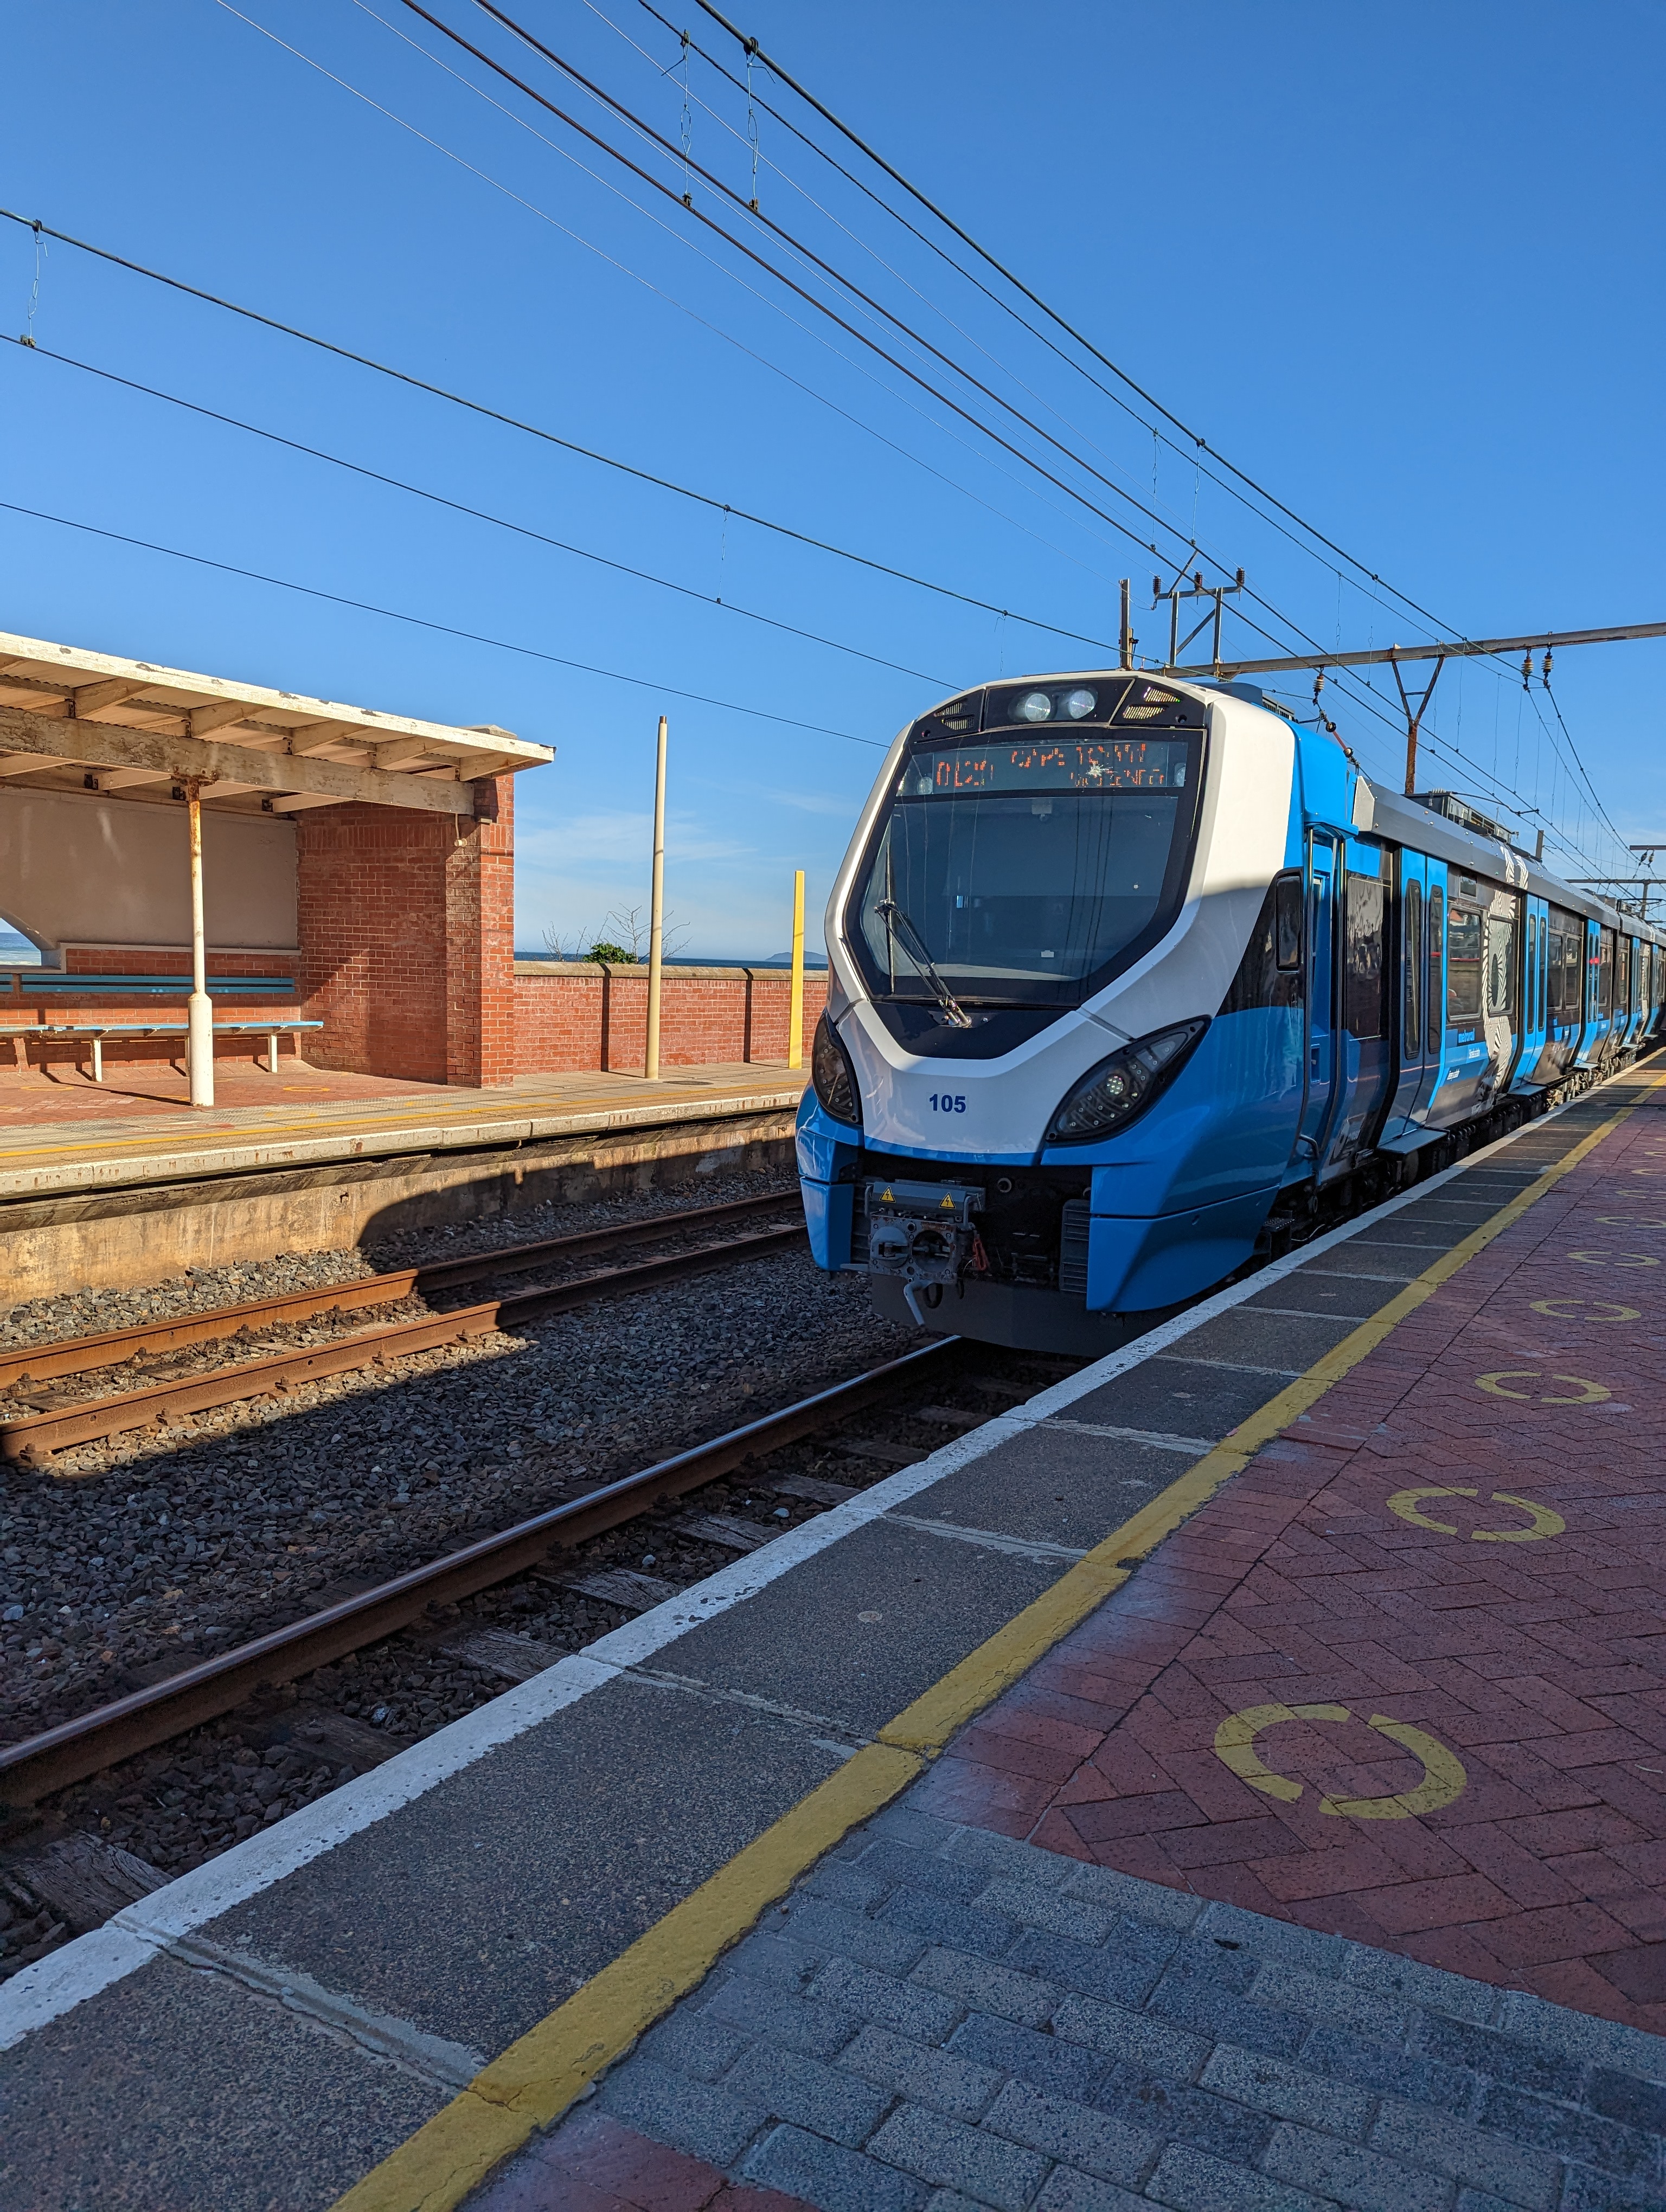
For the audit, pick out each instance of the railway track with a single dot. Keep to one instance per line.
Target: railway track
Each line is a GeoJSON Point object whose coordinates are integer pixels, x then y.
{"type": "Point", "coordinates": [34, 1437]}
{"type": "Point", "coordinates": [76, 1749]}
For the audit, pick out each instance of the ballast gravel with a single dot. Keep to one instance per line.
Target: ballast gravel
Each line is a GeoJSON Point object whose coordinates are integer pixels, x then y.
{"type": "Point", "coordinates": [177, 1544]}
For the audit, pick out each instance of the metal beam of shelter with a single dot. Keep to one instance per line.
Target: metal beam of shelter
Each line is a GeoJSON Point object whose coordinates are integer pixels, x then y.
{"type": "Point", "coordinates": [76, 720]}
{"type": "Point", "coordinates": [1464, 648]}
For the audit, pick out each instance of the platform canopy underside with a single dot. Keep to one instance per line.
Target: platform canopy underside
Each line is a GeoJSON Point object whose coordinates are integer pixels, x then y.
{"type": "Point", "coordinates": [72, 720]}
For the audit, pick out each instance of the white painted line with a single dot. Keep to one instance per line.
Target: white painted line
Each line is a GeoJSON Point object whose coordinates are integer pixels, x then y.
{"type": "Point", "coordinates": [55, 1984]}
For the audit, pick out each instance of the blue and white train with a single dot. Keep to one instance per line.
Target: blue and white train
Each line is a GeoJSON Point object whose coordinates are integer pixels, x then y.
{"type": "Point", "coordinates": [1130, 975]}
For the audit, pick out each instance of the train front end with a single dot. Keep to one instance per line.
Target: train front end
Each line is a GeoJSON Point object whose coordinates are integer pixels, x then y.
{"type": "Point", "coordinates": [1060, 1076]}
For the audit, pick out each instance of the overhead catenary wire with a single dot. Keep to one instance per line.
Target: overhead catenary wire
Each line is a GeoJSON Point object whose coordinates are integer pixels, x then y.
{"type": "Point", "coordinates": [444, 630]}
{"type": "Point", "coordinates": [498, 14]}
{"type": "Point", "coordinates": [551, 437]}
{"type": "Point", "coordinates": [754, 49]}
{"type": "Point", "coordinates": [477, 513]}
{"type": "Point", "coordinates": [915, 458]}
{"type": "Point", "coordinates": [821, 306]}
{"type": "Point", "coordinates": [421, 384]}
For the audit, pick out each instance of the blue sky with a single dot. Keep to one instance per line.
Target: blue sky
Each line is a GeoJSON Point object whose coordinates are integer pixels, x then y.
{"type": "Point", "coordinates": [1402, 267]}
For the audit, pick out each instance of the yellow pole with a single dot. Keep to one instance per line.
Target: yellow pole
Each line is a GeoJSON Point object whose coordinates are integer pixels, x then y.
{"type": "Point", "coordinates": [656, 912]}
{"type": "Point", "coordinates": [796, 1015]}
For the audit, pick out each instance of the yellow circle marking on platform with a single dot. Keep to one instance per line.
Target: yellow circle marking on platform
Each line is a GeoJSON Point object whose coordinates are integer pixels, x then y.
{"type": "Point", "coordinates": [1629, 1221]}
{"type": "Point", "coordinates": [1584, 1392]}
{"type": "Point", "coordinates": [1405, 1503]}
{"type": "Point", "coordinates": [1443, 1776]}
{"type": "Point", "coordinates": [1592, 1309]}
{"type": "Point", "coordinates": [1545, 1523]}
{"type": "Point", "coordinates": [1613, 1259]}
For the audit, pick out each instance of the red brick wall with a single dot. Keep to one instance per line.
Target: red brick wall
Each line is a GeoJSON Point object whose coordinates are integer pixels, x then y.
{"type": "Point", "coordinates": [407, 939]}
{"type": "Point", "coordinates": [582, 1014]}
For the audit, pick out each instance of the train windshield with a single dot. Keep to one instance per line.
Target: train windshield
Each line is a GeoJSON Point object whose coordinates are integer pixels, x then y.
{"type": "Point", "coordinates": [1026, 874]}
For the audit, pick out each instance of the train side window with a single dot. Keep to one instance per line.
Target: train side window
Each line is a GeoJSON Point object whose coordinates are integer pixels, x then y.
{"type": "Point", "coordinates": [1265, 977]}
{"type": "Point", "coordinates": [1437, 946]}
{"type": "Point", "coordinates": [1533, 1008]}
{"type": "Point", "coordinates": [1604, 973]}
{"type": "Point", "coordinates": [1411, 931]}
{"type": "Point", "coordinates": [1362, 981]}
{"type": "Point", "coordinates": [1287, 918]}
{"type": "Point", "coordinates": [1622, 975]}
{"type": "Point", "coordinates": [1464, 965]}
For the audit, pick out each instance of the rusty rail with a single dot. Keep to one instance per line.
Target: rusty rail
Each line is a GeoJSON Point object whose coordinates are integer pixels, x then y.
{"type": "Point", "coordinates": [69, 1753]}
{"type": "Point", "coordinates": [77, 1355]}
{"type": "Point", "coordinates": [33, 1438]}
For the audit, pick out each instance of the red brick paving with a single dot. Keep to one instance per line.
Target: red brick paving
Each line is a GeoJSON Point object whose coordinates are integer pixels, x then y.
{"type": "Point", "coordinates": [595, 2164]}
{"type": "Point", "coordinates": [1540, 1664]}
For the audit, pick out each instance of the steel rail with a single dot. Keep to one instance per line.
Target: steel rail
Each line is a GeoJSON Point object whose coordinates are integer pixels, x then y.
{"type": "Point", "coordinates": [33, 1438]}
{"type": "Point", "coordinates": [75, 1355]}
{"type": "Point", "coordinates": [76, 1749]}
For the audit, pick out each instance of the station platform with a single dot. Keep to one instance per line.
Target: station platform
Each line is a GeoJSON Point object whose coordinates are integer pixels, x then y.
{"type": "Point", "coordinates": [52, 1142]}
{"type": "Point", "coordinates": [93, 1203]}
{"type": "Point", "coordinates": [1235, 1778]}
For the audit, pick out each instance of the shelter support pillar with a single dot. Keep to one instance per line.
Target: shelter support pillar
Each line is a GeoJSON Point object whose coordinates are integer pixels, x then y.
{"type": "Point", "coordinates": [199, 1008]}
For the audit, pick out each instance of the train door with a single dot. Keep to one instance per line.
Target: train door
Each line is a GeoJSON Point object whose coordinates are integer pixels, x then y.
{"type": "Point", "coordinates": [1414, 1079]}
{"type": "Point", "coordinates": [1565, 973]}
{"type": "Point", "coordinates": [1534, 1033]}
{"type": "Point", "coordinates": [1321, 1023]}
{"type": "Point", "coordinates": [1598, 993]}
{"type": "Point", "coordinates": [1624, 1002]}
{"type": "Point", "coordinates": [1434, 990]}
{"type": "Point", "coordinates": [1467, 1074]}
{"type": "Point", "coordinates": [1501, 986]}
{"type": "Point", "coordinates": [1365, 1049]}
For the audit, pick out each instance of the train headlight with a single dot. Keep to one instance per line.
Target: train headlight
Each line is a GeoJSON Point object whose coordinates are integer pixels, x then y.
{"type": "Point", "coordinates": [1110, 1095]}
{"type": "Point", "coordinates": [831, 1073]}
{"type": "Point", "coordinates": [1079, 703]}
{"type": "Point", "coordinates": [1032, 706]}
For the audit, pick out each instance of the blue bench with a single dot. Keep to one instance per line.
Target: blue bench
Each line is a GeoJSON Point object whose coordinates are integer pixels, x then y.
{"type": "Point", "coordinates": [35, 983]}
{"type": "Point", "coordinates": [21, 1032]}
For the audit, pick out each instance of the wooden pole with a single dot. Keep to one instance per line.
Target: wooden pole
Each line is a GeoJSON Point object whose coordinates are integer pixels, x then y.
{"type": "Point", "coordinates": [199, 1010]}
{"type": "Point", "coordinates": [656, 911]}
{"type": "Point", "coordinates": [796, 1013]}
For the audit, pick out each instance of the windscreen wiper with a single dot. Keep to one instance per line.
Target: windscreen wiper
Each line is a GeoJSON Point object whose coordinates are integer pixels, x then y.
{"type": "Point", "coordinates": [902, 928]}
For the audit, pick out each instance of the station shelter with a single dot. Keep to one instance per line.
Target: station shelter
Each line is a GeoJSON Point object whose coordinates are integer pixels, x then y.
{"type": "Point", "coordinates": [211, 868]}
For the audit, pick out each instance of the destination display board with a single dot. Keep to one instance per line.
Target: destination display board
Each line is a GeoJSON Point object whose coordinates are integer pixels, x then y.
{"type": "Point", "coordinates": [1054, 763]}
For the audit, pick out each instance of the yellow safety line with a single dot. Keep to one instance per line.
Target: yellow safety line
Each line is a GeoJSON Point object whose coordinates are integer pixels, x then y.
{"type": "Point", "coordinates": [538, 2077]}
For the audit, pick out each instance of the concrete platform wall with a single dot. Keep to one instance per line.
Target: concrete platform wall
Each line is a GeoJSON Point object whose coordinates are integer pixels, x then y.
{"type": "Point", "coordinates": [125, 1239]}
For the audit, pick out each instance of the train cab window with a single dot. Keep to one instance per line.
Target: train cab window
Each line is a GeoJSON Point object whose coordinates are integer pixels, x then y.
{"type": "Point", "coordinates": [1604, 974]}
{"type": "Point", "coordinates": [1464, 965]}
{"type": "Point", "coordinates": [1501, 965]}
{"type": "Point", "coordinates": [1437, 949]}
{"type": "Point", "coordinates": [1287, 921]}
{"type": "Point", "coordinates": [1411, 928]}
{"type": "Point", "coordinates": [1363, 973]}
